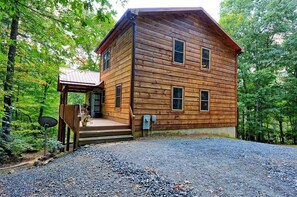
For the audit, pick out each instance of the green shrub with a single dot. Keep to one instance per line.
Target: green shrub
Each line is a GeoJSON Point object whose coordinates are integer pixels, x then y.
{"type": "Point", "coordinates": [3, 153]}
{"type": "Point", "coordinates": [4, 147]}
{"type": "Point", "coordinates": [19, 146]}
{"type": "Point", "coordinates": [53, 145]}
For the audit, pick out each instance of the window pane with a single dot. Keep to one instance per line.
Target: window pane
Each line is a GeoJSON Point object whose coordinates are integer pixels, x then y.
{"type": "Point", "coordinates": [177, 104]}
{"type": "Point", "coordinates": [118, 91]}
{"type": "Point", "coordinates": [179, 46]}
{"type": "Point", "coordinates": [118, 96]}
{"type": "Point", "coordinates": [204, 105]}
{"type": "Point", "coordinates": [103, 96]}
{"type": "Point", "coordinates": [106, 59]}
{"type": "Point", "coordinates": [118, 101]}
{"type": "Point", "coordinates": [108, 54]}
{"type": "Point", "coordinates": [205, 53]}
{"type": "Point", "coordinates": [107, 63]}
{"type": "Point", "coordinates": [177, 92]}
{"type": "Point", "coordinates": [205, 63]}
{"type": "Point", "coordinates": [178, 57]}
{"type": "Point", "coordinates": [204, 95]}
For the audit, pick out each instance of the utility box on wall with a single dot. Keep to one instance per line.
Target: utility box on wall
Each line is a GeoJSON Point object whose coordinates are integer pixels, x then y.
{"type": "Point", "coordinates": [154, 119]}
{"type": "Point", "coordinates": [146, 122]}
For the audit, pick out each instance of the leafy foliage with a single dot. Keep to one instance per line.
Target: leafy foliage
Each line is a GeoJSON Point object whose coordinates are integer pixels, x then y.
{"type": "Point", "coordinates": [51, 34]}
{"type": "Point", "coordinates": [266, 84]}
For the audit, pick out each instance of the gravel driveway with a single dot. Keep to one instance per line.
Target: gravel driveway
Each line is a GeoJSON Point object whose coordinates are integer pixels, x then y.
{"type": "Point", "coordinates": [175, 167]}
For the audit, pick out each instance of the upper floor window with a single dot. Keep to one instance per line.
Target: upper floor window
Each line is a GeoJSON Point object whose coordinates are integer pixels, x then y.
{"type": "Point", "coordinates": [205, 56]}
{"type": "Point", "coordinates": [179, 51]}
{"type": "Point", "coordinates": [204, 100]}
{"type": "Point", "coordinates": [118, 96]}
{"type": "Point", "coordinates": [177, 98]}
{"type": "Point", "coordinates": [106, 59]}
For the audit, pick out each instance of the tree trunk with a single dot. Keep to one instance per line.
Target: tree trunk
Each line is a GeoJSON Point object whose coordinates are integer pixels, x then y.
{"type": "Point", "coordinates": [268, 134]}
{"type": "Point", "coordinates": [248, 121]}
{"type": "Point", "coordinates": [281, 131]}
{"type": "Point", "coordinates": [237, 133]}
{"type": "Point", "coordinates": [46, 87]}
{"type": "Point", "coordinates": [243, 125]}
{"type": "Point", "coordinates": [8, 83]}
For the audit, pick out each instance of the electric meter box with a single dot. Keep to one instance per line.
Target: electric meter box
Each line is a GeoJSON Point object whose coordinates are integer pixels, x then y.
{"type": "Point", "coordinates": [154, 118]}
{"type": "Point", "coordinates": [146, 122]}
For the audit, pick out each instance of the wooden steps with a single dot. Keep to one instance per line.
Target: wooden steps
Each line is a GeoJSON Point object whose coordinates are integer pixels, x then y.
{"type": "Point", "coordinates": [104, 139]}
{"type": "Point", "coordinates": [91, 128]}
{"type": "Point", "coordinates": [103, 134]}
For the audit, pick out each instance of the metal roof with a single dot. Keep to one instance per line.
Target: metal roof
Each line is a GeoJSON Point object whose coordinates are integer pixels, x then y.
{"type": "Point", "coordinates": [69, 76]}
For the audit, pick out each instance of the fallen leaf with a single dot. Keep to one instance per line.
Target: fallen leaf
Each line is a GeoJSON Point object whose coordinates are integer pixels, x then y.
{"type": "Point", "coordinates": [188, 182]}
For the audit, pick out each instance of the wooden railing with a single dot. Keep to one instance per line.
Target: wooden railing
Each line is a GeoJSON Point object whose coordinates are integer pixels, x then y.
{"type": "Point", "coordinates": [132, 120]}
{"type": "Point", "coordinates": [70, 115]}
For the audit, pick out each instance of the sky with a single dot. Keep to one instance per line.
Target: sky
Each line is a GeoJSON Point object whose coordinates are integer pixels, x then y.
{"type": "Point", "coordinates": [212, 7]}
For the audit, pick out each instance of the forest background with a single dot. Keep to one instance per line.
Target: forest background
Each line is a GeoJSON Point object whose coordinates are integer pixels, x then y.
{"type": "Point", "coordinates": [39, 37]}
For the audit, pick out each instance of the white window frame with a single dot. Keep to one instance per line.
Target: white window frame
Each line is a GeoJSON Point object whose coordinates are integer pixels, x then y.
{"type": "Point", "coordinates": [172, 98]}
{"type": "Point", "coordinates": [208, 101]}
{"type": "Point", "coordinates": [184, 51]}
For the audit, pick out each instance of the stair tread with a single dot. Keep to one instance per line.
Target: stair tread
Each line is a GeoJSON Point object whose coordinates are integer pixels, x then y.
{"type": "Point", "coordinates": [92, 128]}
{"type": "Point", "coordinates": [105, 138]}
{"type": "Point", "coordinates": [104, 131]}
{"type": "Point", "coordinates": [116, 125]}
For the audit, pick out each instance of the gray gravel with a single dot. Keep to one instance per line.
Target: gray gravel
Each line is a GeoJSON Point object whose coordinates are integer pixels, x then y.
{"type": "Point", "coordinates": [177, 167]}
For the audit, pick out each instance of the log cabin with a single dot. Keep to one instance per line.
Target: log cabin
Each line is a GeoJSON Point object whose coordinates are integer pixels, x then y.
{"type": "Point", "coordinates": [168, 70]}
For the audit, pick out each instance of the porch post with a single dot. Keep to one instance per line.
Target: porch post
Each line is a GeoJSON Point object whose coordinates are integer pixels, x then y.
{"type": "Point", "coordinates": [68, 139]}
{"type": "Point", "coordinates": [64, 100]}
{"type": "Point", "coordinates": [61, 121]}
{"type": "Point", "coordinates": [75, 141]}
{"type": "Point", "coordinates": [62, 125]}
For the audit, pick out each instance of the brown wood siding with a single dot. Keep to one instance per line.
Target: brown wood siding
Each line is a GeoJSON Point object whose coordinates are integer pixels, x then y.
{"type": "Point", "coordinates": [156, 73]}
{"type": "Point", "coordinates": [119, 73]}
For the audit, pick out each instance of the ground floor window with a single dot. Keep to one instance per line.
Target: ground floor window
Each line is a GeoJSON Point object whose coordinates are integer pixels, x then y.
{"type": "Point", "coordinates": [177, 98]}
{"type": "Point", "coordinates": [204, 100]}
{"type": "Point", "coordinates": [118, 96]}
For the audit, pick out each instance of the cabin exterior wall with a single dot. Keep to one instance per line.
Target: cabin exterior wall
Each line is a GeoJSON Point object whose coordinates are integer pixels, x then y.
{"type": "Point", "coordinates": [119, 73]}
{"type": "Point", "coordinates": [156, 73]}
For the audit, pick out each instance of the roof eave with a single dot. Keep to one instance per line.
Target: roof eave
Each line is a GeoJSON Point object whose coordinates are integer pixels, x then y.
{"type": "Point", "coordinates": [137, 11]}
{"type": "Point", "coordinates": [240, 49]}
{"type": "Point", "coordinates": [97, 50]}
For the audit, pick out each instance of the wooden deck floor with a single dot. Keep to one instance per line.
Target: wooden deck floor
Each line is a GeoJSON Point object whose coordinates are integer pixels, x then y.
{"type": "Point", "coordinates": [103, 122]}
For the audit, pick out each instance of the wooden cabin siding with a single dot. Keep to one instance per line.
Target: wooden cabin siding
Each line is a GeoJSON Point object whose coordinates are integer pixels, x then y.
{"type": "Point", "coordinates": [156, 74]}
{"type": "Point", "coordinates": [119, 73]}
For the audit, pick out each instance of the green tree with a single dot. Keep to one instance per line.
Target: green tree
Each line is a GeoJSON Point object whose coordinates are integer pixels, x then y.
{"type": "Point", "coordinates": [39, 37]}
{"type": "Point", "coordinates": [263, 28]}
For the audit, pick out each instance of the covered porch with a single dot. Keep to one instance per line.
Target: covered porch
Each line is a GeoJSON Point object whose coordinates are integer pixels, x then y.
{"type": "Point", "coordinates": [96, 122]}
{"type": "Point", "coordinates": [72, 116]}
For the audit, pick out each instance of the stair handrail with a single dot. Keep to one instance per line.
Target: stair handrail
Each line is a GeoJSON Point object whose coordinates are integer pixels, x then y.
{"type": "Point", "coordinates": [132, 120]}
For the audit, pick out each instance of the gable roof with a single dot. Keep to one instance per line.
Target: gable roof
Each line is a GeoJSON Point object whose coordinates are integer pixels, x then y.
{"type": "Point", "coordinates": [124, 20]}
